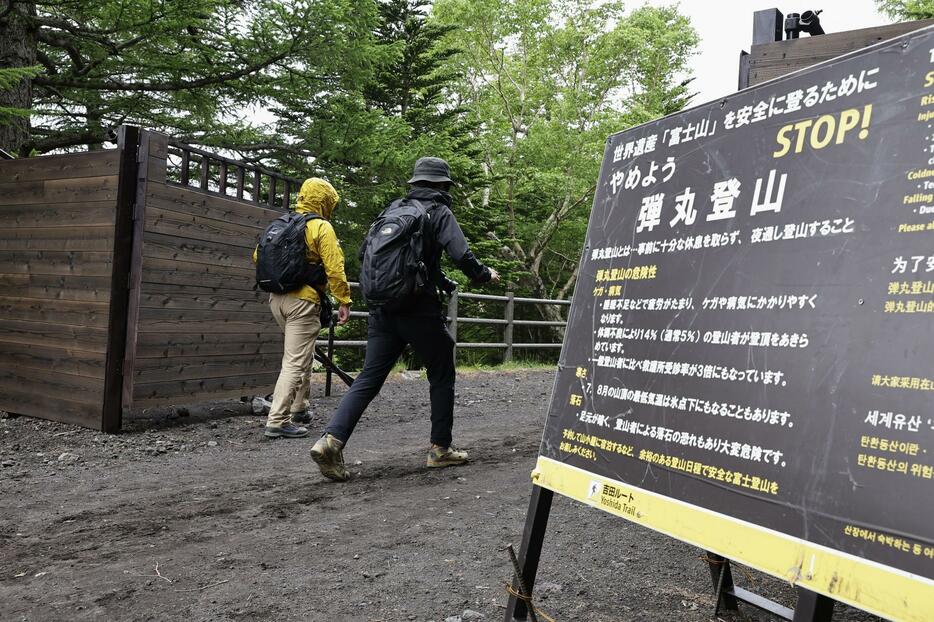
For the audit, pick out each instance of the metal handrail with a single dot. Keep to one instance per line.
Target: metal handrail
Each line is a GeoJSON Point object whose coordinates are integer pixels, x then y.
{"type": "Point", "coordinates": [508, 322]}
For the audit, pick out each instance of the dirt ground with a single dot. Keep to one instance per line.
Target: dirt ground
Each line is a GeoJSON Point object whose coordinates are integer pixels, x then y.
{"type": "Point", "coordinates": [195, 516]}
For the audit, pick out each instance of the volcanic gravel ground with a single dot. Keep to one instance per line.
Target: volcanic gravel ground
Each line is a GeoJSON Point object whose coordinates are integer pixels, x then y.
{"type": "Point", "coordinates": [191, 514]}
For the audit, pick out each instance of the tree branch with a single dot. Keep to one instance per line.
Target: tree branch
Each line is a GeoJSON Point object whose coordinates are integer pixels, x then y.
{"type": "Point", "coordinates": [114, 85]}
{"type": "Point", "coordinates": [60, 141]}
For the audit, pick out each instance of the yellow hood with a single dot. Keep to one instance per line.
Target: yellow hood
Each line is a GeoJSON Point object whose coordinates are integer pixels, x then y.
{"type": "Point", "coordinates": [317, 196]}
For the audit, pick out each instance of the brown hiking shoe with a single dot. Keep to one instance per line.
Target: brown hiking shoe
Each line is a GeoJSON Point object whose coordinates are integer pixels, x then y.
{"type": "Point", "coordinates": [439, 457]}
{"type": "Point", "coordinates": [330, 459]}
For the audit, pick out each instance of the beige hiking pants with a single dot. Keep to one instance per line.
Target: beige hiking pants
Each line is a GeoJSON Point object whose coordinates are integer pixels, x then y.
{"type": "Point", "coordinates": [299, 320]}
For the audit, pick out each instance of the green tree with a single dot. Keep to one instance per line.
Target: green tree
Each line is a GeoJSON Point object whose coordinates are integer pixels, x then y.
{"type": "Point", "coordinates": [907, 9]}
{"type": "Point", "coordinates": [188, 68]}
{"type": "Point", "coordinates": [547, 81]}
{"type": "Point", "coordinates": [366, 134]}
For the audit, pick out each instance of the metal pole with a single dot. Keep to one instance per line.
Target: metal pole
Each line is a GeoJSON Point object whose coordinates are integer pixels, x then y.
{"type": "Point", "coordinates": [327, 373]}
{"type": "Point", "coordinates": [510, 312]}
{"type": "Point", "coordinates": [452, 320]}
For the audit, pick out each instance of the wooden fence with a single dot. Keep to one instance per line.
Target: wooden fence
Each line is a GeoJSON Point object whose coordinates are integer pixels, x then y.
{"type": "Point", "coordinates": [127, 281]}
{"type": "Point", "coordinates": [60, 229]}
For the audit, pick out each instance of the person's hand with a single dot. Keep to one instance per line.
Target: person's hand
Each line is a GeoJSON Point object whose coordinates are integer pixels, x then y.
{"type": "Point", "coordinates": [494, 275]}
{"type": "Point", "coordinates": [343, 314]}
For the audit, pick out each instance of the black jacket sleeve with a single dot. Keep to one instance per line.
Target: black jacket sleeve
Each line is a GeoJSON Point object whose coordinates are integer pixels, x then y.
{"type": "Point", "coordinates": [451, 238]}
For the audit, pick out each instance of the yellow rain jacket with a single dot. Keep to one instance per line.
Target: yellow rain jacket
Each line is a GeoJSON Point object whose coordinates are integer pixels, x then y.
{"type": "Point", "coordinates": [319, 197]}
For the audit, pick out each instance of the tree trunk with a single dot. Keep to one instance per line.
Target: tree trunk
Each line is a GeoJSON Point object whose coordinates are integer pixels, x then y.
{"type": "Point", "coordinates": [17, 49]}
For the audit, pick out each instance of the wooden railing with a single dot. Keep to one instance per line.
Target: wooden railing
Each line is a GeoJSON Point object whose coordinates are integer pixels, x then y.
{"type": "Point", "coordinates": [508, 322]}
{"type": "Point", "coordinates": [195, 168]}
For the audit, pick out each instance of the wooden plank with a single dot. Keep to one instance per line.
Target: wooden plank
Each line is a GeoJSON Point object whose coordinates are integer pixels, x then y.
{"type": "Point", "coordinates": [225, 209]}
{"type": "Point", "coordinates": [179, 224]}
{"type": "Point", "coordinates": [82, 189]}
{"type": "Point", "coordinates": [772, 60]}
{"type": "Point", "coordinates": [160, 246]}
{"type": "Point", "coordinates": [98, 213]}
{"type": "Point", "coordinates": [261, 317]}
{"type": "Point", "coordinates": [87, 238]}
{"type": "Point", "coordinates": [196, 368]}
{"type": "Point", "coordinates": [57, 287]}
{"type": "Point", "coordinates": [52, 358]}
{"type": "Point", "coordinates": [157, 145]}
{"type": "Point", "coordinates": [73, 313]}
{"type": "Point", "coordinates": [202, 278]}
{"type": "Point", "coordinates": [80, 263]}
{"type": "Point", "coordinates": [85, 338]}
{"type": "Point", "coordinates": [37, 404]}
{"type": "Point", "coordinates": [75, 389]}
{"type": "Point", "coordinates": [203, 299]}
{"type": "Point", "coordinates": [165, 345]}
{"type": "Point", "coordinates": [158, 169]}
{"type": "Point", "coordinates": [67, 166]}
{"type": "Point", "coordinates": [222, 325]}
{"type": "Point", "coordinates": [203, 390]}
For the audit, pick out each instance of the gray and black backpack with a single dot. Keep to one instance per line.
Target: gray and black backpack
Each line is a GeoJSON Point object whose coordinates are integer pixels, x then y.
{"type": "Point", "coordinates": [392, 265]}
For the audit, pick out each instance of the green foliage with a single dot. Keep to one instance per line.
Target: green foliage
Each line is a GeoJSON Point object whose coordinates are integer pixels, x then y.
{"type": "Point", "coordinates": [9, 78]}
{"type": "Point", "coordinates": [367, 134]}
{"type": "Point", "coordinates": [188, 68]}
{"type": "Point", "coordinates": [546, 82]}
{"type": "Point", "coordinates": [907, 9]}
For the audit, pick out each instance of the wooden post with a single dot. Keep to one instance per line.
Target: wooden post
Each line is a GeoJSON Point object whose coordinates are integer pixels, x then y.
{"type": "Point", "coordinates": [510, 312]}
{"type": "Point", "coordinates": [112, 407]}
{"type": "Point", "coordinates": [205, 172]}
{"type": "Point", "coordinates": [257, 179]}
{"type": "Point", "coordinates": [271, 200]}
{"type": "Point", "coordinates": [530, 551]}
{"type": "Point", "coordinates": [287, 195]}
{"type": "Point", "coordinates": [452, 320]}
{"type": "Point", "coordinates": [222, 186]}
{"type": "Point", "coordinates": [240, 182]}
{"type": "Point", "coordinates": [186, 165]}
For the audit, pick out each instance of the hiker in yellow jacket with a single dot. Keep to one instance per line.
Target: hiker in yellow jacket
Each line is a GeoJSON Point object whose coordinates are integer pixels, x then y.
{"type": "Point", "coordinates": [297, 312]}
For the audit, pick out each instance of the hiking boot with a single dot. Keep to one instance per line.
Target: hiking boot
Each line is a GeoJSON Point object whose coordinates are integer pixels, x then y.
{"type": "Point", "coordinates": [439, 457]}
{"type": "Point", "coordinates": [302, 416]}
{"type": "Point", "coordinates": [289, 430]}
{"type": "Point", "coordinates": [328, 454]}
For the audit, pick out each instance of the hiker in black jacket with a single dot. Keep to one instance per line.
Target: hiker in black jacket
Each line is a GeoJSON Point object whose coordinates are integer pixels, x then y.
{"type": "Point", "coordinates": [419, 322]}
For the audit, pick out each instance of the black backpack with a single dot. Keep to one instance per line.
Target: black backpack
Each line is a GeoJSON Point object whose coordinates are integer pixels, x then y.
{"type": "Point", "coordinates": [392, 265]}
{"type": "Point", "coordinates": [281, 263]}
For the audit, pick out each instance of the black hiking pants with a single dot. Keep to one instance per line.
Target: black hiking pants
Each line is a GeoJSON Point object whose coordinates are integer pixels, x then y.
{"type": "Point", "coordinates": [387, 335]}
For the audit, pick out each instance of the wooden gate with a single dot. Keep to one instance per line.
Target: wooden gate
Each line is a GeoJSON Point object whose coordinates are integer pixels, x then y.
{"type": "Point", "coordinates": [127, 281]}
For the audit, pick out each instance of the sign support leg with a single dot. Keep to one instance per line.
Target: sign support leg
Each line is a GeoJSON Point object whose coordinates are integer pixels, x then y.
{"type": "Point", "coordinates": [722, 579]}
{"type": "Point", "coordinates": [533, 535]}
{"type": "Point", "coordinates": [813, 607]}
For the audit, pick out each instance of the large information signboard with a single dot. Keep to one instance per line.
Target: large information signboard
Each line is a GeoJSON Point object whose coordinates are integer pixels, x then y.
{"type": "Point", "coordinates": [749, 361]}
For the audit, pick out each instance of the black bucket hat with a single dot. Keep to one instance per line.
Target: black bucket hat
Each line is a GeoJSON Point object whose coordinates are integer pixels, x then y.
{"type": "Point", "coordinates": [431, 169]}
